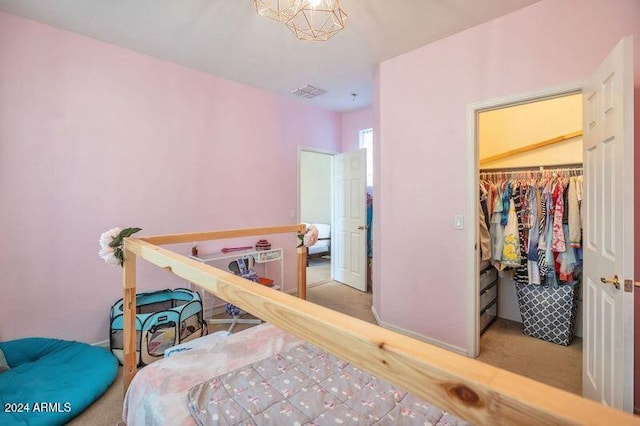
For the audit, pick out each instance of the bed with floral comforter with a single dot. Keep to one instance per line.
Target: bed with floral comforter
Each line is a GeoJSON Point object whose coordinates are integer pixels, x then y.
{"type": "Point", "coordinates": [265, 376]}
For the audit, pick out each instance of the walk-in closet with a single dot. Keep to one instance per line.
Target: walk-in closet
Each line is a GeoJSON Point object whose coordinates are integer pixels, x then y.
{"type": "Point", "coordinates": [530, 239]}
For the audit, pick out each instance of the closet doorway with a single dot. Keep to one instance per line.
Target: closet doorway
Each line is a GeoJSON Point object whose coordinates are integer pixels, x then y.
{"type": "Point", "coordinates": [530, 168]}
{"type": "Point", "coordinates": [607, 215]}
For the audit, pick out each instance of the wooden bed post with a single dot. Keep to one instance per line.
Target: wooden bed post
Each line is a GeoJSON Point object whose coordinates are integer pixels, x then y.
{"type": "Point", "coordinates": [302, 272]}
{"type": "Point", "coordinates": [129, 307]}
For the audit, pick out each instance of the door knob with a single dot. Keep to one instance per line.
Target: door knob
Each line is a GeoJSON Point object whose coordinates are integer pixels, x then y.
{"type": "Point", "coordinates": [360, 227]}
{"type": "Point", "coordinates": [615, 281]}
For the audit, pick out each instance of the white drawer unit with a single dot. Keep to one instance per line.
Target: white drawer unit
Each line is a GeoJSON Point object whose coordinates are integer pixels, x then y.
{"type": "Point", "coordinates": [487, 277]}
{"type": "Point", "coordinates": [488, 297]}
{"type": "Point", "coordinates": [488, 316]}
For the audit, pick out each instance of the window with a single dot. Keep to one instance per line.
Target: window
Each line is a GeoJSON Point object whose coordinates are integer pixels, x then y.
{"type": "Point", "coordinates": [366, 142]}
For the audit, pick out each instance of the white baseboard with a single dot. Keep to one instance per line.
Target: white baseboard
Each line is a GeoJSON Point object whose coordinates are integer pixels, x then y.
{"type": "Point", "coordinates": [418, 336]}
{"type": "Point", "coordinates": [106, 344]}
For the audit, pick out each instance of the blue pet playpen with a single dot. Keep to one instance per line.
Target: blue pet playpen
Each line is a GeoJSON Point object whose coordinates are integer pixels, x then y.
{"type": "Point", "coordinates": [164, 319]}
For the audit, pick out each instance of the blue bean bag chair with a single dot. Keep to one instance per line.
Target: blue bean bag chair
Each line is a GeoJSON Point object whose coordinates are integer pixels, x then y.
{"type": "Point", "coordinates": [51, 381]}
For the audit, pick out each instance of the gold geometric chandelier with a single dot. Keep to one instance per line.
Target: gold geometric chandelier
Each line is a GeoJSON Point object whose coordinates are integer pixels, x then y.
{"type": "Point", "coordinates": [317, 20]}
{"type": "Point", "coordinates": [279, 10]}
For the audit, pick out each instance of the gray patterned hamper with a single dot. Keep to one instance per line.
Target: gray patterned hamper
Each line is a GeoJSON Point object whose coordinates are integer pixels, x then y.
{"type": "Point", "coordinates": [549, 313]}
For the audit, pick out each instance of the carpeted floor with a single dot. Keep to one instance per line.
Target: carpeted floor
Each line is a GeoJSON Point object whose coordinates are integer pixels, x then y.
{"type": "Point", "coordinates": [503, 345]}
{"type": "Point", "coordinates": [107, 410]}
{"type": "Point", "coordinates": [318, 271]}
{"type": "Point", "coordinates": [343, 298]}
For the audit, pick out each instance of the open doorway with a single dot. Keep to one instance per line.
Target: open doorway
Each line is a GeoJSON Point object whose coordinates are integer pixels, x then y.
{"type": "Point", "coordinates": [530, 247]}
{"type": "Point", "coordinates": [337, 272]}
{"type": "Point", "coordinates": [316, 208]}
{"type": "Point", "coordinates": [335, 197]}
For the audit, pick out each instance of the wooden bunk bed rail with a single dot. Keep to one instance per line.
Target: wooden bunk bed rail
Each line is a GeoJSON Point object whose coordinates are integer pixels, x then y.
{"type": "Point", "coordinates": [477, 392]}
{"type": "Point", "coordinates": [221, 235]}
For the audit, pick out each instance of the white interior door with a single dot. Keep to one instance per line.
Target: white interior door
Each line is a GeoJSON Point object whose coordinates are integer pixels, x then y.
{"type": "Point", "coordinates": [349, 241]}
{"type": "Point", "coordinates": [608, 230]}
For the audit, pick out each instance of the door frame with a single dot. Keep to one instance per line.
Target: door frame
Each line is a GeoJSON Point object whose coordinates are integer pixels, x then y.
{"type": "Point", "coordinates": [298, 218]}
{"type": "Point", "coordinates": [473, 177]}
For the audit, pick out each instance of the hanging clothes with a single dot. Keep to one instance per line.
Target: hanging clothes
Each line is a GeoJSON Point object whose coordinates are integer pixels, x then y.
{"type": "Point", "coordinates": [496, 231]}
{"type": "Point", "coordinates": [542, 226]}
{"type": "Point", "coordinates": [575, 225]}
{"type": "Point", "coordinates": [511, 245]}
{"type": "Point", "coordinates": [533, 270]}
{"type": "Point", "coordinates": [520, 274]}
{"type": "Point", "coordinates": [534, 227]}
{"type": "Point", "coordinates": [506, 199]}
{"type": "Point", "coordinates": [568, 261]}
{"type": "Point", "coordinates": [485, 238]}
{"type": "Point", "coordinates": [558, 241]}
{"type": "Point", "coordinates": [534, 230]}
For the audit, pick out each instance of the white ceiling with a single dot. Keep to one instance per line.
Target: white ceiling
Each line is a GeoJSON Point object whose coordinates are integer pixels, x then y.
{"type": "Point", "coordinates": [227, 38]}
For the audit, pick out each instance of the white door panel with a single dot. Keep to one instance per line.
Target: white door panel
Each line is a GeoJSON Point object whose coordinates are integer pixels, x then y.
{"type": "Point", "coordinates": [609, 235]}
{"type": "Point", "coordinates": [349, 231]}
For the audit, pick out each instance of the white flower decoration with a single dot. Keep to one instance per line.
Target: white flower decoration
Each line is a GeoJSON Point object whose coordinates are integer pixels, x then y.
{"type": "Point", "coordinates": [107, 237]}
{"type": "Point", "coordinates": [111, 245]}
{"type": "Point", "coordinates": [311, 236]}
{"type": "Point", "coordinates": [107, 254]}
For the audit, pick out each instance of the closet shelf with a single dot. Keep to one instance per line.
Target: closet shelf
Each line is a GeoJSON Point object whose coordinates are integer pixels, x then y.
{"type": "Point", "coordinates": [531, 147]}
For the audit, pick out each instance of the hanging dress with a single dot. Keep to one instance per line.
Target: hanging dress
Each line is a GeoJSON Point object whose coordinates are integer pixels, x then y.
{"type": "Point", "coordinates": [506, 200]}
{"type": "Point", "coordinates": [558, 243]}
{"type": "Point", "coordinates": [511, 245]}
{"type": "Point", "coordinates": [496, 231]}
{"type": "Point", "coordinates": [534, 236]}
{"type": "Point", "coordinates": [546, 206]}
{"type": "Point", "coordinates": [568, 261]}
{"type": "Point", "coordinates": [575, 231]}
{"type": "Point", "coordinates": [550, 276]}
{"type": "Point", "coordinates": [485, 238]}
{"type": "Point", "coordinates": [520, 274]}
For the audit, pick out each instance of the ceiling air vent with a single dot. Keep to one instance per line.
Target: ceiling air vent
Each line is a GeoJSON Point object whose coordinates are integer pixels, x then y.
{"type": "Point", "coordinates": [308, 91]}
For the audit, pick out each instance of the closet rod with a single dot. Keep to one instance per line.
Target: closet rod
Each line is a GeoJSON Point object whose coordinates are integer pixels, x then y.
{"type": "Point", "coordinates": [534, 169]}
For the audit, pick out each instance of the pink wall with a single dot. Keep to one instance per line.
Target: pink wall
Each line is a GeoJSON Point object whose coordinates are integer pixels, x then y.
{"type": "Point", "coordinates": [636, 295]}
{"type": "Point", "coordinates": [352, 123]}
{"type": "Point", "coordinates": [421, 182]}
{"type": "Point", "coordinates": [94, 136]}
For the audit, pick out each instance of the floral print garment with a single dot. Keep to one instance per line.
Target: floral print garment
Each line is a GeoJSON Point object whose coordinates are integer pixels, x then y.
{"type": "Point", "coordinates": [558, 243]}
{"type": "Point", "coordinates": [511, 246]}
